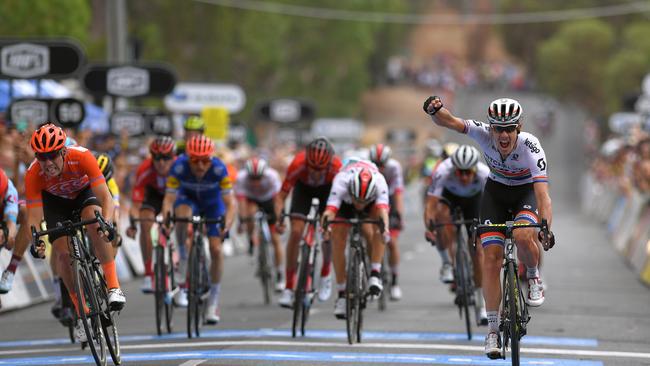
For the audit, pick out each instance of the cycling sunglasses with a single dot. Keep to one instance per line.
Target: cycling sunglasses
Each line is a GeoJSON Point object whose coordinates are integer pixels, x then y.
{"type": "Point", "coordinates": [48, 156]}
{"type": "Point", "coordinates": [461, 172]}
{"type": "Point", "coordinates": [161, 157]}
{"type": "Point", "coordinates": [203, 160]}
{"type": "Point", "coordinates": [508, 129]}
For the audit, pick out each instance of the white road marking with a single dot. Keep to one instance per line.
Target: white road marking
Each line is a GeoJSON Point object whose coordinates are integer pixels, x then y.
{"type": "Point", "coordinates": [192, 363]}
{"type": "Point", "coordinates": [384, 346]}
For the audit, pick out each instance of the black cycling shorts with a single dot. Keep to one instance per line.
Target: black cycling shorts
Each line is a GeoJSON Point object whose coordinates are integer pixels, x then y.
{"type": "Point", "coordinates": [58, 209]}
{"type": "Point", "coordinates": [153, 200]}
{"type": "Point", "coordinates": [302, 195]}
{"type": "Point", "coordinates": [501, 203]}
{"type": "Point", "coordinates": [394, 219]}
{"type": "Point", "coordinates": [267, 207]}
{"type": "Point", "coordinates": [470, 206]}
{"type": "Point", "coordinates": [347, 211]}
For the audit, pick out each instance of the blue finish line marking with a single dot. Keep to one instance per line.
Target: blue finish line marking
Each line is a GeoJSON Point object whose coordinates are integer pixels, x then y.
{"type": "Point", "coordinates": [390, 358]}
{"type": "Point", "coordinates": [323, 334]}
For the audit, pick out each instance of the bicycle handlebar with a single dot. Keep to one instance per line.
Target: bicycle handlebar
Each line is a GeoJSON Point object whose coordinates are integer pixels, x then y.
{"type": "Point", "coordinates": [546, 236]}
{"type": "Point", "coordinates": [356, 221]}
{"type": "Point", "coordinates": [197, 220]}
{"type": "Point", "coordinates": [298, 216]}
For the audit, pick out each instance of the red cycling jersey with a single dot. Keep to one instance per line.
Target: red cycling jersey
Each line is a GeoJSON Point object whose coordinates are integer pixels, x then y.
{"type": "Point", "coordinates": [299, 171]}
{"type": "Point", "coordinates": [80, 170]}
{"type": "Point", "coordinates": [147, 176]}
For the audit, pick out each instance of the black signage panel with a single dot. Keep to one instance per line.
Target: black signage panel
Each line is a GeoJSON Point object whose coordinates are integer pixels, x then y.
{"type": "Point", "coordinates": [129, 80]}
{"type": "Point", "coordinates": [39, 58]}
{"type": "Point", "coordinates": [67, 112]}
{"type": "Point", "coordinates": [286, 110]}
{"type": "Point", "coordinates": [139, 123]}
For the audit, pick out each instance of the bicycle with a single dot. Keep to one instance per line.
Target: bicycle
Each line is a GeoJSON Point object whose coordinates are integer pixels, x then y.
{"type": "Point", "coordinates": [386, 282]}
{"type": "Point", "coordinates": [463, 268]}
{"type": "Point", "coordinates": [514, 314]}
{"type": "Point", "coordinates": [357, 292]}
{"type": "Point", "coordinates": [90, 287]}
{"type": "Point", "coordinates": [264, 268]}
{"type": "Point", "coordinates": [198, 276]}
{"type": "Point", "coordinates": [164, 280]}
{"type": "Point", "coordinates": [309, 248]}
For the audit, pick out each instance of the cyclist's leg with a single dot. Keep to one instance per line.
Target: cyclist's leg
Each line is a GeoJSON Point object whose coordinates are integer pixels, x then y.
{"type": "Point", "coordinates": [375, 241]}
{"type": "Point", "coordinates": [267, 208]}
{"type": "Point", "coordinates": [393, 247]}
{"type": "Point", "coordinates": [471, 209]}
{"type": "Point", "coordinates": [492, 211]}
{"type": "Point", "coordinates": [446, 243]}
{"type": "Point", "coordinates": [338, 240]}
{"type": "Point", "coordinates": [322, 193]}
{"type": "Point", "coordinates": [300, 203]}
{"type": "Point", "coordinates": [21, 242]}
{"type": "Point", "coordinates": [213, 210]}
{"type": "Point", "coordinates": [146, 246]}
{"type": "Point", "coordinates": [248, 210]}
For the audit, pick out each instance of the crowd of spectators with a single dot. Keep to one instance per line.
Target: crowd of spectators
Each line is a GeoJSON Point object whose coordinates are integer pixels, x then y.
{"type": "Point", "coordinates": [445, 72]}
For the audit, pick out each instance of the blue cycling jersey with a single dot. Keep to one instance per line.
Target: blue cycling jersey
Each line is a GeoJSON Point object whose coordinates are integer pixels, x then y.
{"type": "Point", "coordinates": [215, 183]}
{"type": "Point", "coordinates": [10, 202]}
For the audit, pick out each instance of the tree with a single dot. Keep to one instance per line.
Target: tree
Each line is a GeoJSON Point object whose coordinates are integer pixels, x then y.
{"type": "Point", "coordinates": [573, 62]}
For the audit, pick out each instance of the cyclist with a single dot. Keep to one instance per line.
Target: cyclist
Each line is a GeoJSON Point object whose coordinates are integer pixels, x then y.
{"type": "Point", "coordinates": [60, 181]}
{"type": "Point", "coordinates": [10, 212]}
{"type": "Point", "coordinates": [391, 169]}
{"type": "Point", "coordinates": [256, 187]}
{"type": "Point", "coordinates": [309, 175]}
{"type": "Point", "coordinates": [193, 126]}
{"type": "Point", "coordinates": [147, 198]}
{"type": "Point", "coordinates": [359, 189]}
{"type": "Point", "coordinates": [517, 183]}
{"type": "Point", "coordinates": [198, 184]}
{"type": "Point", "coordinates": [457, 182]}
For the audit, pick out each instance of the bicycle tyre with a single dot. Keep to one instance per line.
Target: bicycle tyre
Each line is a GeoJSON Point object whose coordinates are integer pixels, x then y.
{"type": "Point", "coordinates": [192, 290]}
{"type": "Point", "coordinates": [513, 324]}
{"type": "Point", "coordinates": [310, 288]}
{"type": "Point", "coordinates": [109, 325]}
{"type": "Point", "coordinates": [299, 298]}
{"type": "Point", "coordinates": [352, 297]}
{"type": "Point", "coordinates": [170, 284]}
{"type": "Point", "coordinates": [159, 287]}
{"type": "Point", "coordinates": [361, 291]}
{"type": "Point", "coordinates": [91, 322]}
{"type": "Point", "coordinates": [381, 302]}
{"type": "Point", "coordinates": [265, 270]}
{"type": "Point", "coordinates": [203, 287]}
{"type": "Point", "coordinates": [463, 290]}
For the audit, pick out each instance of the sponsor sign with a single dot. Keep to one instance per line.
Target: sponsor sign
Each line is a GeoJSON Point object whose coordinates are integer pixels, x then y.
{"type": "Point", "coordinates": [286, 110]}
{"type": "Point", "coordinates": [39, 59]}
{"type": "Point", "coordinates": [216, 122]}
{"type": "Point", "coordinates": [132, 122]}
{"type": "Point", "coordinates": [136, 80]}
{"type": "Point", "coordinates": [340, 129]}
{"type": "Point", "coordinates": [193, 97]}
{"type": "Point", "coordinates": [68, 112]}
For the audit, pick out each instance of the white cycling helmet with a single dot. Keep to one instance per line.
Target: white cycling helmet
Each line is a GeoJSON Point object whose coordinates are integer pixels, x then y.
{"type": "Point", "coordinates": [362, 186]}
{"type": "Point", "coordinates": [379, 154]}
{"type": "Point", "coordinates": [504, 112]}
{"type": "Point", "coordinates": [256, 167]}
{"type": "Point", "coordinates": [465, 157]}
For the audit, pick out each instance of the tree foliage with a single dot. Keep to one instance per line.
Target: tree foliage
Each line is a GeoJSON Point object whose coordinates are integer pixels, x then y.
{"type": "Point", "coordinates": [271, 55]}
{"type": "Point", "coordinates": [36, 18]}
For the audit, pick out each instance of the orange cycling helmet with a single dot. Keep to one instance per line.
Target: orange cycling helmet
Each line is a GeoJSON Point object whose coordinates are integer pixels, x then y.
{"type": "Point", "coordinates": [319, 153]}
{"type": "Point", "coordinates": [163, 145]}
{"type": "Point", "coordinates": [200, 146]}
{"type": "Point", "coordinates": [48, 138]}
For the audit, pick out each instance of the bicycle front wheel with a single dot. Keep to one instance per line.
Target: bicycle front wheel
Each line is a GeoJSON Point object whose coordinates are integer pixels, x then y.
{"type": "Point", "coordinates": [353, 299]}
{"type": "Point", "coordinates": [170, 284]}
{"type": "Point", "coordinates": [193, 291]}
{"type": "Point", "coordinates": [160, 288]}
{"type": "Point", "coordinates": [464, 288]}
{"type": "Point", "coordinates": [265, 270]}
{"type": "Point", "coordinates": [301, 291]}
{"type": "Point", "coordinates": [512, 296]}
{"type": "Point", "coordinates": [84, 288]}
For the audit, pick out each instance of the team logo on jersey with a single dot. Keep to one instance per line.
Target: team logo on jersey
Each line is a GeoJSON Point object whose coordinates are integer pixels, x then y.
{"type": "Point", "coordinates": [217, 170]}
{"type": "Point", "coordinates": [178, 169]}
{"type": "Point", "coordinates": [532, 146]}
{"type": "Point", "coordinates": [515, 157]}
{"type": "Point", "coordinates": [541, 164]}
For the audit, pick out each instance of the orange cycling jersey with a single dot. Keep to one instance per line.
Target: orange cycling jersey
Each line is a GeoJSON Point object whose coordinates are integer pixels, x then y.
{"type": "Point", "coordinates": [80, 170]}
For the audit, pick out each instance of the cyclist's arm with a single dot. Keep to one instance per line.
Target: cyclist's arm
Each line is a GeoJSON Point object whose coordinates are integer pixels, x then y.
{"type": "Point", "coordinates": [543, 202]}
{"type": "Point", "coordinates": [105, 199]}
{"type": "Point", "coordinates": [279, 202]}
{"type": "Point", "coordinates": [430, 210]}
{"type": "Point", "coordinates": [399, 202]}
{"type": "Point", "coordinates": [34, 217]}
{"type": "Point", "coordinates": [444, 117]}
{"type": "Point", "coordinates": [231, 209]}
{"type": "Point", "coordinates": [134, 211]}
{"type": "Point", "coordinates": [11, 211]}
{"type": "Point", "coordinates": [168, 203]}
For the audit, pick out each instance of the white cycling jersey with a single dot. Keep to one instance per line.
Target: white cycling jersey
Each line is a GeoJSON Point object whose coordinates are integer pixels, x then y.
{"type": "Point", "coordinates": [260, 190]}
{"type": "Point", "coordinates": [392, 172]}
{"type": "Point", "coordinates": [525, 164]}
{"type": "Point", "coordinates": [444, 177]}
{"type": "Point", "coordinates": [340, 193]}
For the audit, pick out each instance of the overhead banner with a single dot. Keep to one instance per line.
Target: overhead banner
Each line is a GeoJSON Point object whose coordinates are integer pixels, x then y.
{"type": "Point", "coordinates": [141, 123]}
{"type": "Point", "coordinates": [194, 97]}
{"type": "Point", "coordinates": [39, 59]}
{"type": "Point", "coordinates": [129, 80]}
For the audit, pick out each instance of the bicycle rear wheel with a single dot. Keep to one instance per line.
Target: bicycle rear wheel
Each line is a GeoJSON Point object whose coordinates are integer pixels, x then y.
{"type": "Point", "coordinates": [353, 297]}
{"type": "Point", "coordinates": [84, 288]}
{"type": "Point", "coordinates": [159, 287]}
{"type": "Point", "coordinates": [362, 290]}
{"type": "Point", "coordinates": [108, 319]}
{"type": "Point", "coordinates": [170, 284]}
{"type": "Point", "coordinates": [512, 296]}
{"type": "Point", "coordinates": [309, 288]}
